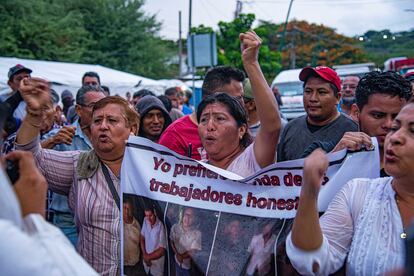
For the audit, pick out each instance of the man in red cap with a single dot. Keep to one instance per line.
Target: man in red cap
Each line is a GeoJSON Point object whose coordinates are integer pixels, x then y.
{"type": "Point", "coordinates": [323, 125]}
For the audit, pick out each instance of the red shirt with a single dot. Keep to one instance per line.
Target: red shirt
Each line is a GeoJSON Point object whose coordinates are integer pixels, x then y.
{"type": "Point", "coordinates": [182, 137]}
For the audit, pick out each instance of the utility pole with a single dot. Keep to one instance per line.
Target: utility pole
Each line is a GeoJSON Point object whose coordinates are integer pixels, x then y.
{"type": "Point", "coordinates": [282, 42]}
{"type": "Point", "coordinates": [293, 50]}
{"type": "Point", "coordinates": [190, 13]}
{"type": "Point", "coordinates": [180, 46]}
{"type": "Point", "coordinates": [190, 66]}
{"type": "Point", "coordinates": [239, 8]}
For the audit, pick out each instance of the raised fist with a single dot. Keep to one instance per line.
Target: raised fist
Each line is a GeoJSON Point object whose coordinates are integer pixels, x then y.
{"type": "Point", "coordinates": [35, 92]}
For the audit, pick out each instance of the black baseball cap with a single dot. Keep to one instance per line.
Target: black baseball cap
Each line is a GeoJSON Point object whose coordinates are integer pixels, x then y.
{"type": "Point", "coordinates": [17, 69]}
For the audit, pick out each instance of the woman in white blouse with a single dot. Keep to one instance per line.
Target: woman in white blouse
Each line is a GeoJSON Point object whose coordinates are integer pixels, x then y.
{"type": "Point", "coordinates": [366, 221]}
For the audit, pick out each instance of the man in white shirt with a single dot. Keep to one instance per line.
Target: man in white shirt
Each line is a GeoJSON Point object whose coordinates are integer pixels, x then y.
{"type": "Point", "coordinates": [30, 245]}
{"type": "Point", "coordinates": [153, 243]}
{"type": "Point", "coordinates": [132, 237]}
{"type": "Point", "coordinates": [261, 249]}
{"type": "Point", "coordinates": [185, 241]}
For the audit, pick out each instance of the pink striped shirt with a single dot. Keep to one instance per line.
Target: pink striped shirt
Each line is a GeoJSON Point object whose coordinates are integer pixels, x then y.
{"type": "Point", "coordinates": [96, 215]}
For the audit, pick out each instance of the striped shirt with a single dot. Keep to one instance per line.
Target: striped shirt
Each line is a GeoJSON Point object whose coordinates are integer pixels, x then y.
{"type": "Point", "coordinates": [96, 214]}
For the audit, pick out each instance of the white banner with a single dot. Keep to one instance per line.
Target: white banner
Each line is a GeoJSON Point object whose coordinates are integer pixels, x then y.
{"type": "Point", "coordinates": [155, 172]}
{"type": "Point", "coordinates": [185, 217]}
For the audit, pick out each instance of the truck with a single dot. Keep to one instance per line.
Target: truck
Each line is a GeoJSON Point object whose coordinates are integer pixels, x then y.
{"type": "Point", "coordinates": [399, 64]}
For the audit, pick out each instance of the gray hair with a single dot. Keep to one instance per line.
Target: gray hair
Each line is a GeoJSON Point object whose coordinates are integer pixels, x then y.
{"type": "Point", "coordinates": [80, 95]}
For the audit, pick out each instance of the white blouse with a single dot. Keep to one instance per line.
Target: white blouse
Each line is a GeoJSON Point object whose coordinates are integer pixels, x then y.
{"type": "Point", "coordinates": [362, 223]}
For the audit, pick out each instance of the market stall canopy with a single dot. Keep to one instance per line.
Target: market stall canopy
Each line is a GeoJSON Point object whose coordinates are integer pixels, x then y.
{"type": "Point", "coordinates": [65, 75]}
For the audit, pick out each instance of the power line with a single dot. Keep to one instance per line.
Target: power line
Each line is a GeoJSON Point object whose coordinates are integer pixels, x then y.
{"type": "Point", "coordinates": [220, 11]}
{"type": "Point", "coordinates": [253, 4]}
{"type": "Point", "coordinates": [336, 2]}
{"type": "Point", "coordinates": [207, 10]}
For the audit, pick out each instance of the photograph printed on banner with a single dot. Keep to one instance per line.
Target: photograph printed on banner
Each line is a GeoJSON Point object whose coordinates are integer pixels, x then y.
{"type": "Point", "coordinates": [145, 236]}
{"type": "Point", "coordinates": [166, 239]}
{"type": "Point", "coordinates": [191, 237]}
{"type": "Point", "coordinates": [169, 239]}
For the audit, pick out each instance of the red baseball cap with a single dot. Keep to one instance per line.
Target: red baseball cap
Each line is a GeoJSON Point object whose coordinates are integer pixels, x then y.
{"type": "Point", "coordinates": [323, 72]}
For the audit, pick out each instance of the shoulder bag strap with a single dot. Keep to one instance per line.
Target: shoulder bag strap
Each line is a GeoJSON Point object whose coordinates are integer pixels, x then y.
{"type": "Point", "coordinates": [111, 186]}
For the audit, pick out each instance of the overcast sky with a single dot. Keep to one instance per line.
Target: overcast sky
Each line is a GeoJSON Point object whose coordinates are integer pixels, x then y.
{"type": "Point", "coordinates": [348, 17]}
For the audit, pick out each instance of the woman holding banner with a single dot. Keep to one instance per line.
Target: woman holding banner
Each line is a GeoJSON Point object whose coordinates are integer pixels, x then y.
{"type": "Point", "coordinates": [90, 179]}
{"type": "Point", "coordinates": [223, 124]}
{"type": "Point", "coordinates": [366, 222]}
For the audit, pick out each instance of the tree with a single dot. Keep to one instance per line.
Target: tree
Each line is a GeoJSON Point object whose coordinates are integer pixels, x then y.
{"type": "Point", "coordinates": [113, 33]}
{"type": "Point", "coordinates": [41, 30]}
{"type": "Point", "coordinates": [228, 45]}
{"type": "Point", "coordinates": [312, 44]}
{"type": "Point", "coordinates": [381, 45]}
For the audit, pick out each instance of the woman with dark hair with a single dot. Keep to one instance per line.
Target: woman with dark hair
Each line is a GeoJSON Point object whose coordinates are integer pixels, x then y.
{"type": "Point", "coordinates": [223, 121]}
{"type": "Point", "coordinates": [365, 224]}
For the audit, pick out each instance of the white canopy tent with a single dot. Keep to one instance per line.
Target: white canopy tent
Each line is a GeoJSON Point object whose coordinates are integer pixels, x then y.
{"type": "Point", "coordinates": [64, 75]}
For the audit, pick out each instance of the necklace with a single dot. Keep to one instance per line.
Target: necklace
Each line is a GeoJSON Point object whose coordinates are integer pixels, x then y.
{"type": "Point", "coordinates": [403, 235]}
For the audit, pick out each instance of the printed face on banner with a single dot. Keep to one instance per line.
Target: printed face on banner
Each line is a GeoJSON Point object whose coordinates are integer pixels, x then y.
{"type": "Point", "coordinates": [188, 218]}
{"type": "Point", "coordinates": [219, 132]}
{"type": "Point", "coordinates": [150, 217]}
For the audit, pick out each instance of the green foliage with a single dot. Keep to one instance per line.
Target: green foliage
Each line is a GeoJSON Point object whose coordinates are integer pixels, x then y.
{"type": "Point", "coordinates": [27, 32]}
{"type": "Point", "coordinates": [113, 33]}
{"type": "Point", "coordinates": [228, 45]}
{"type": "Point", "coordinates": [312, 44]}
{"type": "Point", "coordinates": [201, 29]}
{"type": "Point", "coordinates": [396, 44]}
{"type": "Point", "coordinates": [228, 39]}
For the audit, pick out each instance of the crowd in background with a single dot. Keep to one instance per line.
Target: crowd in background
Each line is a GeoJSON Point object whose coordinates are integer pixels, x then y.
{"type": "Point", "coordinates": [74, 146]}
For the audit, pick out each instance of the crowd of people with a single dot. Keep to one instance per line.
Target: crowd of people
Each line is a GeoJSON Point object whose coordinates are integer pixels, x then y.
{"type": "Point", "coordinates": [76, 151]}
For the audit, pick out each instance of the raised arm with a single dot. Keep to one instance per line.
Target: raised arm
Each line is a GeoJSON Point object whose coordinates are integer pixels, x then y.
{"type": "Point", "coordinates": [320, 246]}
{"type": "Point", "coordinates": [306, 230]}
{"type": "Point", "coordinates": [267, 109]}
{"type": "Point", "coordinates": [36, 94]}
{"type": "Point", "coordinates": [57, 167]}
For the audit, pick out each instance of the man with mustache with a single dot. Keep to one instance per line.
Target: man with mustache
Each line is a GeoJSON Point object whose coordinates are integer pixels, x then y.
{"type": "Point", "coordinates": [322, 123]}
{"type": "Point", "coordinates": [379, 99]}
{"type": "Point", "coordinates": [349, 85]}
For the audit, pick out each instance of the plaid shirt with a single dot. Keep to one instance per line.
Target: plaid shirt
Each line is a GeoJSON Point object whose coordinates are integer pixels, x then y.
{"type": "Point", "coordinates": [96, 214]}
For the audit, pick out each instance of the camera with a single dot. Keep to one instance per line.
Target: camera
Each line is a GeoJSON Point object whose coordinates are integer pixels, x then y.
{"type": "Point", "coordinates": [12, 170]}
